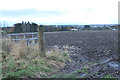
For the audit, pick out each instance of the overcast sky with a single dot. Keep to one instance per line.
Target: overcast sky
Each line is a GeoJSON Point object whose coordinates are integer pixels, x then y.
{"type": "Point", "coordinates": [59, 11]}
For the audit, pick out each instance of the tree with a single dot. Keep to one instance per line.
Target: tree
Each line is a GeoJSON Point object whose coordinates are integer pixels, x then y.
{"type": "Point", "coordinates": [50, 28]}
{"type": "Point", "coordinates": [11, 29]}
{"type": "Point", "coordinates": [17, 28]}
{"type": "Point", "coordinates": [33, 27]}
{"type": "Point", "coordinates": [87, 27]}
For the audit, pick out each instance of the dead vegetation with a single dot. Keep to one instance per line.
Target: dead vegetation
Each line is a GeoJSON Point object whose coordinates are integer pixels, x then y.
{"type": "Point", "coordinates": [21, 61]}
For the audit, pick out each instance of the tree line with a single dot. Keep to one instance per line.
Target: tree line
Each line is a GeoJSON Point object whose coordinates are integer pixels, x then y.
{"type": "Point", "coordinates": [33, 27]}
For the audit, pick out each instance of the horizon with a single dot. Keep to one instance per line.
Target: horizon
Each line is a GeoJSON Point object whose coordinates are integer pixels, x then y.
{"type": "Point", "coordinates": [7, 25]}
{"type": "Point", "coordinates": [66, 24]}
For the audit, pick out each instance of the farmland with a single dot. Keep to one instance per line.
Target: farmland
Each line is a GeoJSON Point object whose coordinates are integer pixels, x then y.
{"type": "Point", "coordinates": [93, 53]}
{"type": "Point", "coordinates": [87, 48]}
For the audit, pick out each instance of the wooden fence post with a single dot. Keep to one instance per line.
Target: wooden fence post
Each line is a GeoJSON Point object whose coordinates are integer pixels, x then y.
{"type": "Point", "coordinates": [9, 37]}
{"type": "Point", "coordinates": [41, 44]}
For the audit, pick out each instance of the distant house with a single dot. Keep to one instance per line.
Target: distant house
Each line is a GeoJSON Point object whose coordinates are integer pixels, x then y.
{"type": "Point", "coordinates": [73, 29]}
{"type": "Point", "coordinates": [114, 29]}
{"type": "Point", "coordinates": [7, 29]}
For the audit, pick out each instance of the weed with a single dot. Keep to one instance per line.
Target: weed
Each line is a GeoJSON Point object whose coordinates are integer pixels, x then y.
{"type": "Point", "coordinates": [70, 75]}
{"type": "Point", "coordinates": [78, 71]}
{"type": "Point", "coordinates": [23, 62]}
{"type": "Point", "coordinates": [58, 75]}
{"type": "Point", "coordinates": [108, 76]}
{"type": "Point", "coordinates": [85, 70]}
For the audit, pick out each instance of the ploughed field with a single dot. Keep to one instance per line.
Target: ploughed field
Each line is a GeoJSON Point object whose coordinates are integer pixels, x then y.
{"type": "Point", "coordinates": [95, 51]}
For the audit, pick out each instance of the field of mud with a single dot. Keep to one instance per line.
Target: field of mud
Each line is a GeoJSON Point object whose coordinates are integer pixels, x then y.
{"type": "Point", "coordinates": [97, 51]}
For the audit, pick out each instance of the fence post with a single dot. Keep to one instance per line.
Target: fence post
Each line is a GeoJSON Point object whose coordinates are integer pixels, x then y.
{"type": "Point", "coordinates": [24, 39]}
{"type": "Point", "coordinates": [41, 43]}
{"type": "Point", "coordinates": [9, 36]}
{"type": "Point", "coordinates": [27, 43]}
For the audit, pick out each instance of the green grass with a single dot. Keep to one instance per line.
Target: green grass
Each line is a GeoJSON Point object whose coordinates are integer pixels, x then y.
{"type": "Point", "coordinates": [70, 75]}
{"type": "Point", "coordinates": [108, 76]}
{"type": "Point", "coordinates": [58, 75]}
{"type": "Point", "coordinates": [33, 66]}
{"type": "Point", "coordinates": [30, 69]}
{"type": "Point", "coordinates": [30, 64]}
{"type": "Point", "coordinates": [85, 70]}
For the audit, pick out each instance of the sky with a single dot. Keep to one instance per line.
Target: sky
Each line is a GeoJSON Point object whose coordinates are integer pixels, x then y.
{"type": "Point", "coordinates": [59, 12]}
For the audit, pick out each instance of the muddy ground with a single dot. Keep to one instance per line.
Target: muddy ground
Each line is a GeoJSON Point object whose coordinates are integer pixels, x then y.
{"type": "Point", "coordinates": [95, 50]}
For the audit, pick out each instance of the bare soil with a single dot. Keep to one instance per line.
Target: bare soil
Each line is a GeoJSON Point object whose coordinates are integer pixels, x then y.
{"type": "Point", "coordinates": [96, 49]}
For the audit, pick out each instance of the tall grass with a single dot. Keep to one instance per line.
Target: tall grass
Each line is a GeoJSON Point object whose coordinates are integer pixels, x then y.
{"type": "Point", "coordinates": [20, 61]}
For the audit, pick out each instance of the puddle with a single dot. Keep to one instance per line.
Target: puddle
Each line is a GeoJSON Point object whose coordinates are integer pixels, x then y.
{"type": "Point", "coordinates": [105, 61]}
{"type": "Point", "coordinates": [113, 64]}
{"type": "Point", "coordinates": [83, 75]}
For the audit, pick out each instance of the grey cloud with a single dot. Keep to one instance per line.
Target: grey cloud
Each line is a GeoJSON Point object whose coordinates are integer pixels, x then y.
{"type": "Point", "coordinates": [32, 12]}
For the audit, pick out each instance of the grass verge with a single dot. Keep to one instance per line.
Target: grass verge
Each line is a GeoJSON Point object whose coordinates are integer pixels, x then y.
{"type": "Point", "coordinates": [21, 62]}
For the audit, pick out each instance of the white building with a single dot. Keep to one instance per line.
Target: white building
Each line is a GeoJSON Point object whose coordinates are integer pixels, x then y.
{"type": "Point", "coordinates": [74, 29]}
